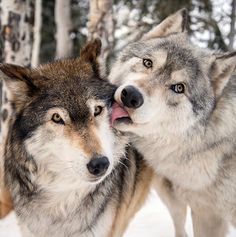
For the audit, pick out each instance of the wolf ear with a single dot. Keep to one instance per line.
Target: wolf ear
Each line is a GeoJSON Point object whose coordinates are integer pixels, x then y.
{"type": "Point", "coordinates": [18, 82]}
{"type": "Point", "coordinates": [91, 50]}
{"type": "Point", "coordinates": [222, 69]}
{"type": "Point", "coordinates": [90, 53]}
{"type": "Point", "coordinates": [175, 23]}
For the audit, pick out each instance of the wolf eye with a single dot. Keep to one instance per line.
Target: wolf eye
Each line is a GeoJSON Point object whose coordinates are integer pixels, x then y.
{"type": "Point", "coordinates": [178, 88]}
{"type": "Point", "coordinates": [147, 63]}
{"type": "Point", "coordinates": [56, 118]}
{"type": "Point", "coordinates": [98, 110]}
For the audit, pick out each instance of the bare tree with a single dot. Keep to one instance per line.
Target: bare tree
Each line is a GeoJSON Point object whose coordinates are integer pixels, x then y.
{"type": "Point", "coordinates": [232, 25]}
{"type": "Point", "coordinates": [17, 24]}
{"type": "Point", "coordinates": [17, 33]}
{"type": "Point", "coordinates": [17, 29]}
{"type": "Point", "coordinates": [101, 24]}
{"type": "Point", "coordinates": [37, 33]}
{"type": "Point", "coordinates": [64, 26]}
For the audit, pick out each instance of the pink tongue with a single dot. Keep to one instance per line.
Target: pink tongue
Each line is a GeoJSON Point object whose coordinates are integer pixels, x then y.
{"type": "Point", "coordinates": [118, 112]}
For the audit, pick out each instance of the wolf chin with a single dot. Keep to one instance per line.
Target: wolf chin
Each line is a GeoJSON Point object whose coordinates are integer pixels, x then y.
{"type": "Point", "coordinates": [69, 173]}
{"type": "Point", "coordinates": [178, 103]}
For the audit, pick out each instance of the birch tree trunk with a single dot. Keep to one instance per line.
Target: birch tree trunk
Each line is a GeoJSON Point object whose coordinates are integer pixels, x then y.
{"type": "Point", "coordinates": [37, 33]}
{"type": "Point", "coordinates": [101, 24]}
{"type": "Point", "coordinates": [64, 26]}
{"type": "Point", "coordinates": [232, 25]}
{"type": "Point", "coordinates": [17, 19]}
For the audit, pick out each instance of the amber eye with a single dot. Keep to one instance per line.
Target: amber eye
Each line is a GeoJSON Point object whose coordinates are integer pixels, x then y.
{"type": "Point", "coordinates": [147, 63]}
{"type": "Point", "coordinates": [56, 118]}
{"type": "Point", "coordinates": [98, 110]}
{"type": "Point", "coordinates": [178, 88]}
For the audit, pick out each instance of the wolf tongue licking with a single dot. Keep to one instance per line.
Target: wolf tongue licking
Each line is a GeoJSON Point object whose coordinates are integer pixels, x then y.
{"type": "Point", "coordinates": [118, 113]}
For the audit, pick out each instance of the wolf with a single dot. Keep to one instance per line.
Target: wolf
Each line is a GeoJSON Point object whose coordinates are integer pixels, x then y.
{"type": "Point", "coordinates": [178, 103]}
{"type": "Point", "coordinates": [68, 171]}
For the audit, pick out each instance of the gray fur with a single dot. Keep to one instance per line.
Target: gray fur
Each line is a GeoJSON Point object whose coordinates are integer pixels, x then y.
{"type": "Point", "coordinates": [190, 138]}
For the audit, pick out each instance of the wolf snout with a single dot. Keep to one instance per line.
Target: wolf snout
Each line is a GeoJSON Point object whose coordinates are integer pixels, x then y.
{"type": "Point", "coordinates": [131, 97]}
{"type": "Point", "coordinates": [98, 165]}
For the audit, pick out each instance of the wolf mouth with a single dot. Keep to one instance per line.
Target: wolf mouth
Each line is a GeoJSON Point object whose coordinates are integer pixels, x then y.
{"type": "Point", "coordinates": [119, 115]}
{"type": "Point", "coordinates": [97, 180]}
{"type": "Point", "coordinates": [100, 179]}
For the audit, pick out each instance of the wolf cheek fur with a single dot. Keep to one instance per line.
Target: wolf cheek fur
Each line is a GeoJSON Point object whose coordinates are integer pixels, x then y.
{"type": "Point", "coordinates": [188, 136]}
{"type": "Point", "coordinates": [61, 123]}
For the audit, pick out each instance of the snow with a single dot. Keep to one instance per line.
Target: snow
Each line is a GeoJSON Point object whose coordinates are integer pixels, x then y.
{"type": "Point", "coordinates": [152, 220]}
{"type": "Point", "coordinates": [8, 227]}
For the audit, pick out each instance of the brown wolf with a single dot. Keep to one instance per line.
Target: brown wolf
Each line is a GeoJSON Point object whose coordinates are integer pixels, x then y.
{"type": "Point", "coordinates": [69, 173]}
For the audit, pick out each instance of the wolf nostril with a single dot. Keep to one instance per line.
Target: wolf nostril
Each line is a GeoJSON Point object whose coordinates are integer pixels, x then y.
{"type": "Point", "coordinates": [133, 102]}
{"type": "Point", "coordinates": [98, 166]}
{"type": "Point", "coordinates": [131, 97]}
{"type": "Point", "coordinates": [124, 92]}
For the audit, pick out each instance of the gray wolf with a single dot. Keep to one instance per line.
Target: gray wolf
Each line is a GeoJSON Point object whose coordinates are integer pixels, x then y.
{"type": "Point", "coordinates": [180, 104]}
{"type": "Point", "coordinates": [69, 173]}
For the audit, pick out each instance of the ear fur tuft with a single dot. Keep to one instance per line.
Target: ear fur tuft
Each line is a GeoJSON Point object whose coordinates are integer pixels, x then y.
{"type": "Point", "coordinates": [222, 69]}
{"type": "Point", "coordinates": [175, 23]}
{"type": "Point", "coordinates": [18, 82]}
{"type": "Point", "coordinates": [185, 21]}
{"type": "Point", "coordinates": [91, 50]}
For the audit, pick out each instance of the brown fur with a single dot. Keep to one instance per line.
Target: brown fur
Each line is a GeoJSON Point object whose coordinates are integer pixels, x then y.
{"type": "Point", "coordinates": [131, 182]}
{"type": "Point", "coordinates": [88, 144]}
{"type": "Point", "coordinates": [132, 200]}
{"type": "Point", "coordinates": [5, 199]}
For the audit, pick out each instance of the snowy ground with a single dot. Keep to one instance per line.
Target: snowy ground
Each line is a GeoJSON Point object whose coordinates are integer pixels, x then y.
{"type": "Point", "coordinates": [152, 221]}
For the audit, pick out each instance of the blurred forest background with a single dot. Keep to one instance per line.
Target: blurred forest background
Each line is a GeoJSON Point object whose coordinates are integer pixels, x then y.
{"type": "Point", "coordinates": [58, 28]}
{"type": "Point", "coordinates": [38, 31]}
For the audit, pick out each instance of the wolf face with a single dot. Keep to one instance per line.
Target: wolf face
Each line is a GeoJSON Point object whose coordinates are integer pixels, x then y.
{"type": "Point", "coordinates": [166, 83]}
{"type": "Point", "coordinates": [61, 136]}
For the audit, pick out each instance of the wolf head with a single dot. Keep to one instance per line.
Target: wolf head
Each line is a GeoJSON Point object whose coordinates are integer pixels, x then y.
{"type": "Point", "coordinates": [61, 123]}
{"type": "Point", "coordinates": [165, 83]}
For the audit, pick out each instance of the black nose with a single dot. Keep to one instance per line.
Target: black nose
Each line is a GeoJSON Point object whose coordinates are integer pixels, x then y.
{"type": "Point", "coordinates": [98, 166]}
{"type": "Point", "coordinates": [131, 97]}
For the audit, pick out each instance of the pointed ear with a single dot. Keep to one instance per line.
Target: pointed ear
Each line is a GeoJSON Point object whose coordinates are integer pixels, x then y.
{"type": "Point", "coordinates": [18, 82]}
{"type": "Point", "coordinates": [175, 23]}
{"type": "Point", "coordinates": [90, 53]}
{"type": "Point", "coordinates": [222, 69]}
{"type": "Point", "coordinates": [91, 50]}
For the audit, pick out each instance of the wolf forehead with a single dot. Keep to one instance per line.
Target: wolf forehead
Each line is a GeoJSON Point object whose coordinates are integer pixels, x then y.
{"type": "Point", "coordinates": [178, 55]}
{"type": "Point", "coordinates": [72, 77]}
{"type": "Point", "coordinates": [70, 84]}
{"type": "Point", "coordinates": [71, 80]}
